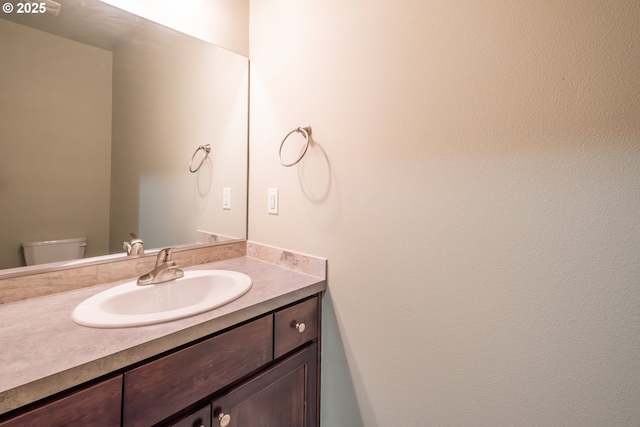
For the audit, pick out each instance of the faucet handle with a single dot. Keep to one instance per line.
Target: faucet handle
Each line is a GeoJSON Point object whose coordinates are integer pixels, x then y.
{"type": "Point", "coordinates": [135, 246]}
{"type": "Point", "coordinates": [164, 255]}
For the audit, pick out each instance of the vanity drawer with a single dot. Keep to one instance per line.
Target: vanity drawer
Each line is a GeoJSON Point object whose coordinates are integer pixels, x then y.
{"type": "Point", "coordinates": [158, 389]}
{"type": "Point", "coordinates": [97, 405]}
{"type": "Point", "coordinates": [295, 325]}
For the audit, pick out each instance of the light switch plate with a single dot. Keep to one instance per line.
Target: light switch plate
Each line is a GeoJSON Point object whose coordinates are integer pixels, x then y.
{"type": "Point", "coordinates": [226, 198]}
{"type": "Point", "coordinates": [272, 204]}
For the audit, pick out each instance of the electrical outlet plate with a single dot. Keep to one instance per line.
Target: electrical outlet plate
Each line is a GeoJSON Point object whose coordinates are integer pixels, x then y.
{"type": "Point", "coordinates": [272, 204]}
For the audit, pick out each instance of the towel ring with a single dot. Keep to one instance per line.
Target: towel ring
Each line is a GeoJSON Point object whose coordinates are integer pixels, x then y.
{"type": "Point", "coordinates": [306, 131]}
{"type": "Point", "coordinates": [207, 150]}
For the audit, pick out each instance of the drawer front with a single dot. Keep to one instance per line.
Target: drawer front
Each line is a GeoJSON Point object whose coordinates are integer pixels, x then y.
{"type": "Point", "coordinates": [97, 405]}
{"type": "Point", "coordinates": [158, 389]}
{"type": "Point", "coordinates": [295, 325]}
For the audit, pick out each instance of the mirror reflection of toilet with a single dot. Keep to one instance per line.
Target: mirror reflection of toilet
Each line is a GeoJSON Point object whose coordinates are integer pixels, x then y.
{"type": "Point", "coordinates": [54, 250]}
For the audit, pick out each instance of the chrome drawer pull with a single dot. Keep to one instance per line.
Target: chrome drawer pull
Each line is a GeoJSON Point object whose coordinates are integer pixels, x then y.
{"type": "Point", "coordinates": [225, 419]}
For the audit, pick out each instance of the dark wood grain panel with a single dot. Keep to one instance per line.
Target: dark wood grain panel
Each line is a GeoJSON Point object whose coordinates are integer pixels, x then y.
{"type": "Point", "coordinates": [160, 388]}
{"type": "Point", "coordinates": [286, 336]}
{"type": "Point", "coordinates": [96, 406]}
{"type": "Point", "coordinates": [282, 396]}
{"type": "Point", "coordinates": [201, 418]}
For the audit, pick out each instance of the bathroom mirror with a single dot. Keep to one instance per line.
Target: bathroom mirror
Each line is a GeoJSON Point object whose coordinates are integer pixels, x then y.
{"type": "Point", "coordinates": [101, 114]}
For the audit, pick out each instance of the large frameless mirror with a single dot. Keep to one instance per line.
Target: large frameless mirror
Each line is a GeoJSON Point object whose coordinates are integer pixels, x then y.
{"type": "Point", "coordinates": [102, 115]}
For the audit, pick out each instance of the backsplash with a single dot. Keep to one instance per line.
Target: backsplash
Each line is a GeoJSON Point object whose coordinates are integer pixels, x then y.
{"type": "Point", "coordinates": [207, 237]}
{"type": "Point", "coordinates": [20, 284]}
{"type": "Point", "coordinates": [26, 283]}
{"type": "Point", "coordinates": [301, 263]}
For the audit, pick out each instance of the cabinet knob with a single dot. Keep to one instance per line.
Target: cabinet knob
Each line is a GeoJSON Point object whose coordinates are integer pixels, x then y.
{"type": "Point", "coordinates": [300, 327]}
{"type": "Point", "coordinates": [224, 419]}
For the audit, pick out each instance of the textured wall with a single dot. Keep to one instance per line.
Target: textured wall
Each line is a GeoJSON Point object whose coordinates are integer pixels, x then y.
{"type": "Point", "coordinates": [475, 185]}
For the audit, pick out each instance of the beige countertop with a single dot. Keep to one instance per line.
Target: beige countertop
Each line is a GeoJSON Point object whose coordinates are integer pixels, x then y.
{"type": "Point", "coordinates": [42, 351]}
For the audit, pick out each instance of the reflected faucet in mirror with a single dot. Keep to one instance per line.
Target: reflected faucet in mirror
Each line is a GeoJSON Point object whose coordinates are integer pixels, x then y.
{"type": "Point", "coordinates": [135, 246]}
{"type": "Point", "coordinates": [164, 271]}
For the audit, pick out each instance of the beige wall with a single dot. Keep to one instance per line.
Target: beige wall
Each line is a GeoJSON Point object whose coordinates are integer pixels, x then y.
{"type": "Point", "coordinates": [55, 114]}
{"type": "Point", "coordinates": [170, 97]}
{"type": "Point", "coordinates": [475, 184]}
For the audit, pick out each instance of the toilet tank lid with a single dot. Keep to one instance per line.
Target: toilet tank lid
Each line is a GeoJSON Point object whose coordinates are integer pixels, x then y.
{"type": "Point", "coordinates": [57, 242]}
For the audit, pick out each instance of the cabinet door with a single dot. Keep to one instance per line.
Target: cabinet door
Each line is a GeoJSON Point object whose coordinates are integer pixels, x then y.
{"type": "Point", "coordinates": [97, 406]}
{"type": "Point", "coordinates": [282, 396]}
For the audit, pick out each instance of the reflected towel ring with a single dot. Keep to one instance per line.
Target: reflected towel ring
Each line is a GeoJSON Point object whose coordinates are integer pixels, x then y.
{"type": "Point", "coordinates": [306, 131]}
{"type": "Point", "coordinates": [207, 150]}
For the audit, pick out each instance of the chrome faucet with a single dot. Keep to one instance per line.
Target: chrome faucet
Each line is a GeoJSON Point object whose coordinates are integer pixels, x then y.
{"type": "Point", "coordinates": [135, 247]}
{"type": "Point", "coordinates": [164, 271]}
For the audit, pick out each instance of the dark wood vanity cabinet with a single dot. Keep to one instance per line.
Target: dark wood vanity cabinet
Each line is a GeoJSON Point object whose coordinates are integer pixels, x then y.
{"type": "Point", "coordinates": [272, 360]}
{"type": "Point", "coordinates": [200, 418]}
{"type": "Point", "coordinates": [281, 396]}
{"type": "Point", "coordinates": [97, 405]}
{"type": "Point", "coordinates": [161, 388]}
{"type": "Point", "coordinates": [262, 373]}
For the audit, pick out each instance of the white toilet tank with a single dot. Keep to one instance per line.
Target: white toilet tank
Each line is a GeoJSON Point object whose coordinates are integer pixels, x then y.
{"type": "Point", "coordinates": [54, 250]}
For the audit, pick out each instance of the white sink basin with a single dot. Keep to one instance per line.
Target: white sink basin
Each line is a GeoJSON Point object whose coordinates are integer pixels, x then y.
{"type": "Point", "coordinates": [132, 305]}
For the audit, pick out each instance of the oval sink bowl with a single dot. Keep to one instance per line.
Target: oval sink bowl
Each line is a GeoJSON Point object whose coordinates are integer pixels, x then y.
{"type": "Point", "coordinates": [132, 305]}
